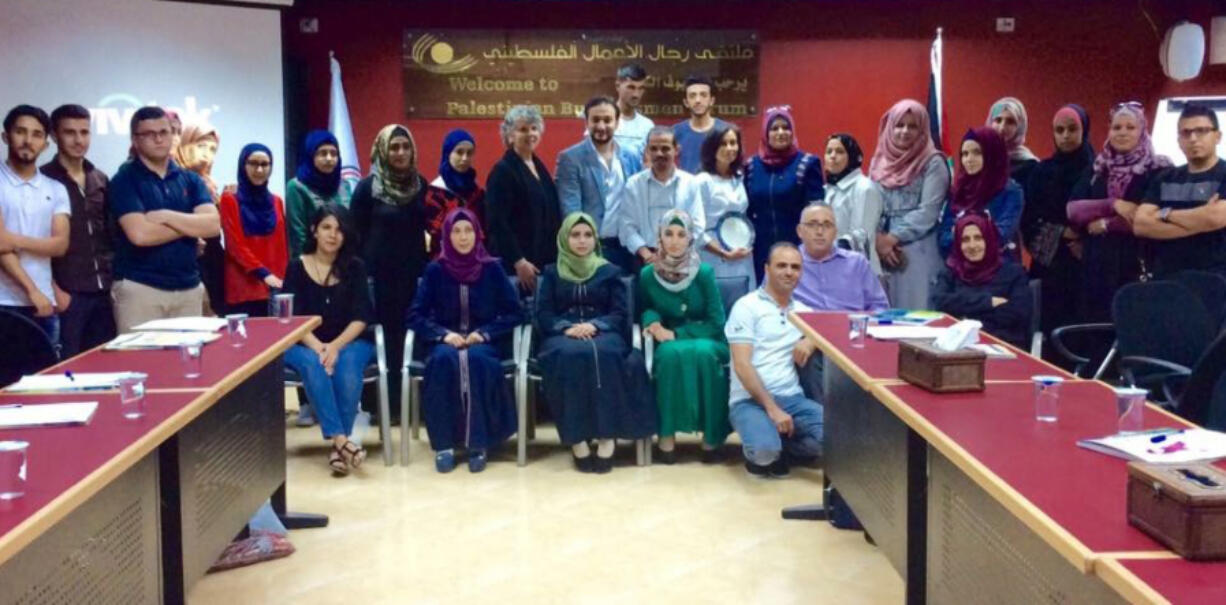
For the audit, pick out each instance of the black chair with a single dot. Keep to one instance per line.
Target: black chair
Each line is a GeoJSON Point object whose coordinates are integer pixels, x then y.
{"type": "Point", "coordinates": [1210, 287]}
{"type": "Point", "coordinates": [413, 372]}
{"type": "Point", "coordinates": [27, 349]}
{"type": "Point", "coordinates": [1199, 393]}
{"type": "Point", "coordinates": [1036, 324]}
{"type": "Point", "coordinates": [1159, 322]}
{"type": "Point", "coordinates": [530, 371]}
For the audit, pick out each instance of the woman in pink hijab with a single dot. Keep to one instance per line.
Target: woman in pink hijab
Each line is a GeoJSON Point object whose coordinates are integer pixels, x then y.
{"type": "Point", "coordinates": [914, 182]}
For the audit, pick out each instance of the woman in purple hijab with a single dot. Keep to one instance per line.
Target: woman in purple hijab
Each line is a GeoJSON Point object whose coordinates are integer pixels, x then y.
{"type": "Point", "coordinates": [463, 315]}
{"type": "Point", "coordinates": [982, 184]}
{"type": "Point", "coordinates": [980, 283]}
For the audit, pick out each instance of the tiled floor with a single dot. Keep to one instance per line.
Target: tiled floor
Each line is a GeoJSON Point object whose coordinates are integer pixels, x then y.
{"type": "Point", "coordinates": [546, 534]}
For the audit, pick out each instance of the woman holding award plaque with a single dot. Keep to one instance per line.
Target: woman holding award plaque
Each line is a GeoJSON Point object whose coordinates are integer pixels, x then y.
{"type": "Point", "coordinates": [727, 244]}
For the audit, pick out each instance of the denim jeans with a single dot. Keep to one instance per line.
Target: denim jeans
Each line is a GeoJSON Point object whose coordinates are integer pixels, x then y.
{"type": "Point", "coordinates": [334, 398]}
{"type": "Point", "coordinates": [87, 322]}
{"type": "Point", "coordinates": [762, 442]}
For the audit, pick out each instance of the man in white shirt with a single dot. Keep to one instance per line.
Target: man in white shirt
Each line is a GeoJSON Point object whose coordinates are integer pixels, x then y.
{"type": "Point", "coordinates": [768, 408]}
{"type": "Point", "coordinates": [592, 173]}
{"type": "Point", "coordinates": [632, 130]}
{"type": "Point", "coordinates": [34, 229]}
{"type": "Point", "coordinates": [652, 192]}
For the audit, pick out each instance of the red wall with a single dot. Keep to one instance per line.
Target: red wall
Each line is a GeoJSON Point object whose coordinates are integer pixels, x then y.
{"type": "Point", "coordinates": [840, 64]}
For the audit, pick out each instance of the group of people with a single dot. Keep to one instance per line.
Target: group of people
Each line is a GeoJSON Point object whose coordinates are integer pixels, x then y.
{"type": "Point", "coordinates": [625, 231]}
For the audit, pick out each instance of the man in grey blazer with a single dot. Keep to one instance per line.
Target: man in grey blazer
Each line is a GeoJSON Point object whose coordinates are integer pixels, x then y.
{"type": "Point", "coordinates": [592, 173]}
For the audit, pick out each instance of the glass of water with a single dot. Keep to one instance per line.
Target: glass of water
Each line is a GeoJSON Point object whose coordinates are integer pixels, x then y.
{"type": "Point", "coordinates": [192, 354]}
{"type": "Point", "coordinates": [1047, 397]}
{"type": "Point", "coordinates": [13, 458]}
{"type": "Point", "coordinates": [1130, 409]}
{"type": "Point", "coordinates": [283, 304]}
{"type": "Point", "coordinates": [859, 329]}
{"type": "Point", "coordinates": [132, 395]}
{"type": "Point", "coordinates": [236, 328]}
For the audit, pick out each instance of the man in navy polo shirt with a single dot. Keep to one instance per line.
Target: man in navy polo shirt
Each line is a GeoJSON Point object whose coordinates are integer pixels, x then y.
{"type": "Point", "coordinates": [161, 210]}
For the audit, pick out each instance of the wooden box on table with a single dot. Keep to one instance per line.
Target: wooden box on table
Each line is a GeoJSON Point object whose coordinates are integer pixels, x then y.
{"type": "Point", "coordinates": [923, 365]}
{"type": "Point", "coordinates": [1183, 506]}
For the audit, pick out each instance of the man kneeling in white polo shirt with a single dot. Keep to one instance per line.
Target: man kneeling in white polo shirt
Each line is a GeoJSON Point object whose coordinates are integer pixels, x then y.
{"type": "Point", "coordinates": [768, 409]}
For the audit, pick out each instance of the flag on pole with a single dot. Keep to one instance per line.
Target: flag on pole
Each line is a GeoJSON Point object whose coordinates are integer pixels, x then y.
{"type": "Point", "coordinates": [936, 102]}
{"type": "Point", "coordinates": [339, 126]}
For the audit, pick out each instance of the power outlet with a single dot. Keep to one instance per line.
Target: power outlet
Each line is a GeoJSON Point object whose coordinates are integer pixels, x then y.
{"type": "Point", "coordinates": [1004, 25]}
{"type": "Point", "coordinates": [308, 25]}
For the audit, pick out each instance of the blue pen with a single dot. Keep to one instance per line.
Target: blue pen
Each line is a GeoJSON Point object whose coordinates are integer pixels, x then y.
{"type": "Point", "coordinates": [1162, 437]}
{"type": "Point", "coordinates": [68, 375]}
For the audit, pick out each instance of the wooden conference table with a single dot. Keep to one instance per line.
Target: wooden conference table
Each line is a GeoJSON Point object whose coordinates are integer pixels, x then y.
{"type": "Point", "coordinates": [135, 511]}
{"type": "Point", "coordinates": [971, 499]}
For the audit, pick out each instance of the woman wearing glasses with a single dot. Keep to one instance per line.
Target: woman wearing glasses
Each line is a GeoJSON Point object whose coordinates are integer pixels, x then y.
{"type": "Point", "coordinates": [1103, 205]}
{"type": "Point", "coordinates": [780, 182]}
{"type": "Point", "coordinates": [914, 183]}
{"type": "Point", "coordinates": [254, 228]}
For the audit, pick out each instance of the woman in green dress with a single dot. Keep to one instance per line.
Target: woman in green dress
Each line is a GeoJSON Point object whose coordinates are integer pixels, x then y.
{"type": "Point", "coordinates": [683, 312]}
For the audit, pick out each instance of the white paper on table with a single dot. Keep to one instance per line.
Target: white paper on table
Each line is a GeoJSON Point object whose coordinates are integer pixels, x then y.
{"type": "Point", "coordinates": [1177, 446]}
{"type": "Point", "coordinates": [135, 341]}
{"type": "Point", "coordinates": [46, 414]}
{"type": "Point", "coordinates": [900, 332]}
{"type": "Point", "coordinates": [60, 382]}
{"type": "Point", "coordinates": [184, 324]}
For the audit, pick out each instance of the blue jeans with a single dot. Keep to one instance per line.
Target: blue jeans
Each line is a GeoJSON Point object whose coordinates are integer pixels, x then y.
{"type": "Point", "coordinates": [334, 399]}
{"type": "Point", "coordinates": [762, 442]}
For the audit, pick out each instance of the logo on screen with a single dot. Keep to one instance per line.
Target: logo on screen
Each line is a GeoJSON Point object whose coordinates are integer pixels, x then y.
{"type": "Point", "coordinates": [436, 56]}
{"type": "Point", "coordinates": [114, 112]}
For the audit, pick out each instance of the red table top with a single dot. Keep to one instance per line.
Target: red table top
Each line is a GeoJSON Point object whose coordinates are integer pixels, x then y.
{"type": "Point", "coordinates": [67, 465]}
{"type": "Point", "coordinates": [59, 457]}
{"type": "Point", "coordinates": [1181, 581]}
{"type": "Point", "coordinates": [879, 358]}
{"type": "Point", "coordinates": [1081, 490]}
{"type": "Point", "coordinates": [165, 368]}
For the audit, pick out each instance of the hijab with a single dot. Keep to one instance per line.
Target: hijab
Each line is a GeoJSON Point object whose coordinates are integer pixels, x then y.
{"type": "Point", "coordinates": [982, 272]}
{"type": "Point", "coordinates": [323, 184]}
{"type": "Point", "coordinates": [896, 166]}
{"type": "Point", "coordinates": [676, 273]}
{"type": "Point", "coordinates": [459, 183]}
{"type": "Point", "coordinates": [1018, 152]}
{"type": "Point", "coordinates": [1120, 168]}
{"type": "Point", "coordinates": [255, 202]}
{"type": "Point", "coordinates": [1060, 172]}
{"type": "Point", "coordinates": [855, 156]}
{"type": "Point", "coordinates": [185, 153]}
{"type": "Point", "coordinates": [773, 157]}
{"type": "Point", "coordinates": [572, 267]}
{"type": "Point", "coordinates": [972, 192]}
{"type": "Point", "coordinates": [465, 268]}
{"type": "Point", "coordinates": [389, 185]}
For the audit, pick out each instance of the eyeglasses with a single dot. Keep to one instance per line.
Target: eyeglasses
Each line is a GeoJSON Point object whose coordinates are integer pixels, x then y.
{"type": "Point", "coordinates": [818, 225]}
{"type": "Point", "coordinates": [787, 108]}
{"type": "Point", "coordinates": [1201, 132]}
{"type": "Point", "coordinates": [1128, 104]}
{"type": "Point", "coordinates": [153, 134]}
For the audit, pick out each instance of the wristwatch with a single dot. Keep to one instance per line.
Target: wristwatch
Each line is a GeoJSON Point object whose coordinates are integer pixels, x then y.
{"type": "Point", "coordinates": [1164, 215]}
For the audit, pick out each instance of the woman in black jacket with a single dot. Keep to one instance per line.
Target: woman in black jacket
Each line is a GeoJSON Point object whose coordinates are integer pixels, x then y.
{"type": "Point", "coordinates": [978, 283]}
{"type": "Point", "coordinates": [521, 202]}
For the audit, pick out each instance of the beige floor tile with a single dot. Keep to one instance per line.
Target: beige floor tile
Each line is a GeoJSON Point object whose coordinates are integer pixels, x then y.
{"type": "Point", "coordinates": [542, 534]}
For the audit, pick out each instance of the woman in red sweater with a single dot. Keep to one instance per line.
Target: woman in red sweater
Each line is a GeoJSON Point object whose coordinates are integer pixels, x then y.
{"type": "Point", "coordinates": [253, 224]}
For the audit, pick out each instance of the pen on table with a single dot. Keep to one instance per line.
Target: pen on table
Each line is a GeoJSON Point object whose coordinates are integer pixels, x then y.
{"type": "Point", "coordinates": [10, 406]}
{"type": "Point", "coordinates": [1162, 437]}
{"type": "Point", "coordinates": [69, 376]}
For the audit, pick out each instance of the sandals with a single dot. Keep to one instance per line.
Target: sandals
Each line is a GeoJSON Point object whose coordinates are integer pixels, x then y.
{"type": "Point", "coordinates": [353, 454]}
{"type": "Point", "coordinates": [337, 462]}
{"type": "Point", "coordinates": [346, 457]}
